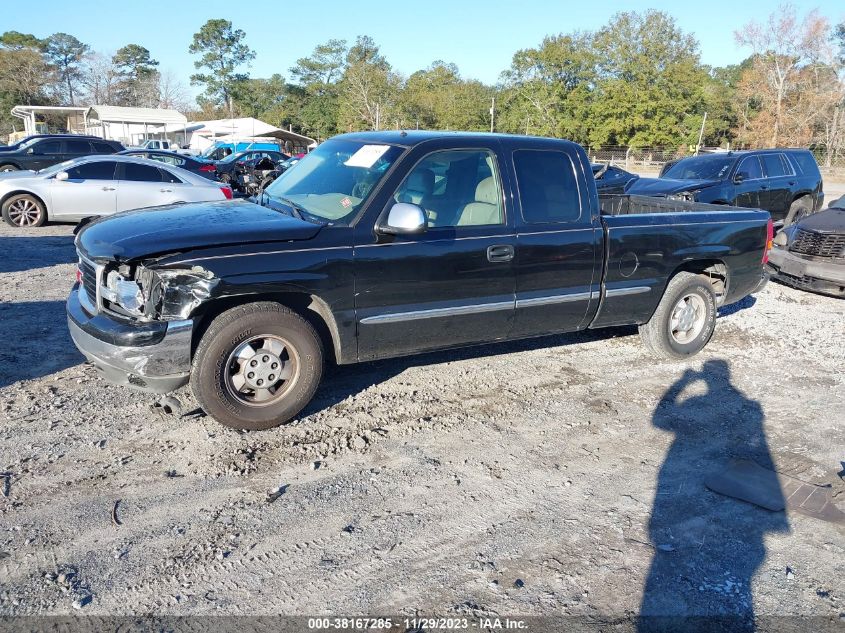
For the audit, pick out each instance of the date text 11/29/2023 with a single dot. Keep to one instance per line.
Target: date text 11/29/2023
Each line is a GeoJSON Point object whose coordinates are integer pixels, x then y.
{"type": "Point", "coordinates": [416, 624]}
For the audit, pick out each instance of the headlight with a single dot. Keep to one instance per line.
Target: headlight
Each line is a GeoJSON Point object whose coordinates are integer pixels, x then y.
{"type": "Point", "coordinates": [781, 240]}
{"type": "Point", "coordinates": [124, 292]}
{"type": "Point", "coordinates": [687, 196]}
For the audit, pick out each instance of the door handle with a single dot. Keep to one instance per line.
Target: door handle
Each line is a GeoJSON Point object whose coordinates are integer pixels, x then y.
{"type": "Point", "coordinates": [764, 187]}
{"type": "Point", "coordinates": [166, 190]}
{"type": "Point", "coordinates": [791, 183]}
{"type": "Point", "coordinates": [108, 188]}
{"type": "Point", "coordinates": [500, 253]}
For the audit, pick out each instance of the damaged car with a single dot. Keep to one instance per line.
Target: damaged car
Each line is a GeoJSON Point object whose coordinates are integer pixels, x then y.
{"type": "Point", "coordinates": [386, 244]}
{"type": "Point", "coordinates": [810, 255]}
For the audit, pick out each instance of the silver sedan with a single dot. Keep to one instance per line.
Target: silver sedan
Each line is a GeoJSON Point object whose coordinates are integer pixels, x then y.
{"type": "Point", "coordinates": [99, 185]}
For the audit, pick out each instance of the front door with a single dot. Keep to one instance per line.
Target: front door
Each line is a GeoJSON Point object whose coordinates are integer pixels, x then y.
{"type": "Point", "coordinates": [44, 153]}
{"type": "Point", "coordinates": [747, 192]}
{"type": "Point", "coordinates": [89, 190]}
{"type": "Point", "coordinates": [451, 285]}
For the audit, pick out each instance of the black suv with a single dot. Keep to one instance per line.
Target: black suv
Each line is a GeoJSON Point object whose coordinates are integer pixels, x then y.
{"type": "Point", "coordinates": [40, 152]}
{"type": "Point", "coordinates": [784, 182]}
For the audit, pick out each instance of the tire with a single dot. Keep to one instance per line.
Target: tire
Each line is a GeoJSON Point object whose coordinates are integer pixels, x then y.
{"type": "Point", "coordinates": [798, 210]}
{"type": "Point", "coordinates": [271, 338]}
{"type": "Point", "coordinates": [689, 302]}
{"type": "Point", "coordinates": [6, 168]}
{"type": "Point", "coordinates": [24, 210]}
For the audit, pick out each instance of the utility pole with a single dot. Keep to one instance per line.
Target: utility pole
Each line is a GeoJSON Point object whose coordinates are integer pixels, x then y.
{"type": "Point", "coordinates": [378, 116]}
{"type": "Point", "coordinates": [492, 113]}
{"type": "Point", "coordinates": [701, 134]}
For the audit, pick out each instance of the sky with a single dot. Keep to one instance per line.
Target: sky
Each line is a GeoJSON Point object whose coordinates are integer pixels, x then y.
{"type": "Point", "coordinates": [480, 36]}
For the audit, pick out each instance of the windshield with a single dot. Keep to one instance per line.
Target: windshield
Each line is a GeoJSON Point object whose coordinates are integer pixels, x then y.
{"type": "Point", "coordinates": [232, 157]}
{"type": "Point", "coordinates": [711, 167]}
{"type": "Point", "coordinates": [332, 182]}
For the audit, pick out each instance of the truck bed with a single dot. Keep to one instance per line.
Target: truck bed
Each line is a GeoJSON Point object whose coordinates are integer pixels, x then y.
{"type": "Point", "coordinates": [631, 204]}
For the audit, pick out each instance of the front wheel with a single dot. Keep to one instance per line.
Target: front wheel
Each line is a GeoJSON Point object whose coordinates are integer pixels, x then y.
{"type": "Point", "coordinates": [24, 210]}
{"type": "Point", "coordinates": [6, 168]}
{"type": "Point", "coordinates": [684, 320]}
{"type": "Point", "coordinates": [257, 366]}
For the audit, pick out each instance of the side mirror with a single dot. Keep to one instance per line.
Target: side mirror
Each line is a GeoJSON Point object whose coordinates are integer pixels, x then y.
{"type": "Point", "coordinates": [404, 218]}
{"type": "Point", "coordinates": [31, 150]}
{"type": "Point", "coordinates": [62, 175]}
{"type": "Point", "coordinates": [741, 177]}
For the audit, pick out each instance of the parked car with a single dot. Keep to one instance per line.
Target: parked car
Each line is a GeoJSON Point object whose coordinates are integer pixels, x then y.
{"type": "Point", "coordinates": [97, 186]}
{"type": "Point", "coordinates": [198, 167]}
{"type": "Point", "coordinates": [153, 143]}
{"type": "Point", "coordinates": [31, 137]}
{"type": "Point", "coordinates": [222, 149]}
{"type": "Point", "coordinates": [42, 152]}
{"type": "Point", "coordinates": [382, 244]}
{"type": "Point", "coordinates": [784, 182]}
{"type": "Point", "coordinates": [612, 179]}
{"type": "Point", "coordinates": [810, 254]}
{"type": "Point", "coordinates": [226, 167]}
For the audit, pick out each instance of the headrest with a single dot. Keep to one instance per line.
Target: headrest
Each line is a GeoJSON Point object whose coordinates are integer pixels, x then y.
{"type": "Point", "coordinates": [486, 191]}
{"type": "Point", "coordinates": [421, 180]}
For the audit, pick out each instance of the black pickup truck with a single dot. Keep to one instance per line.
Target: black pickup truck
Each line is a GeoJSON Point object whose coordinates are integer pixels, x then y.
{"type": "Point", "coordinates": [383, 244]}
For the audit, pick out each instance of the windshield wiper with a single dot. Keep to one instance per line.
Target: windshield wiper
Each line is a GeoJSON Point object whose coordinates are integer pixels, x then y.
{"type": "Point", "coordinates": [297, 210]}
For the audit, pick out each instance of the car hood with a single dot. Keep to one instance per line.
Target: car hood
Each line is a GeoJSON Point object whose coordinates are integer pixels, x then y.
{"type": "Point", "coordinates": [830, 220]}
{"type": "Point", "coordinates": [666, 186]}
{"type": "Point", "coordinates": [182, 227]}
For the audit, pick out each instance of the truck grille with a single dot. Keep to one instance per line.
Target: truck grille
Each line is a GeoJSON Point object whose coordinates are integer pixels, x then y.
{"type": "Point", "coordinates": [89, 279]}
{"type": "Point", "coordinates": [818, 244]}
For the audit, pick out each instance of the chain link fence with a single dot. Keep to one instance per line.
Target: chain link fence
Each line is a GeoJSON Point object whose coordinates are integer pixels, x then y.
{"type": "Point", "coordinates": [649, 160]}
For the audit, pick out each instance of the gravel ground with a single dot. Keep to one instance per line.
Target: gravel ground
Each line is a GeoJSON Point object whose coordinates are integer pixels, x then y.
{"type": "Point", "coordinates": [557, 476]}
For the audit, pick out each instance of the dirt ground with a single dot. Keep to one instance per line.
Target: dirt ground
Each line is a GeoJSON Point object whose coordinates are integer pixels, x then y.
{"type": "Point", "coordinates": [559, 476]}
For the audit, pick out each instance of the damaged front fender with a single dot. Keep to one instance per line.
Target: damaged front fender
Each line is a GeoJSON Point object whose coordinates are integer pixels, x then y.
{"type": "Point", "coordinates": [176, 293]}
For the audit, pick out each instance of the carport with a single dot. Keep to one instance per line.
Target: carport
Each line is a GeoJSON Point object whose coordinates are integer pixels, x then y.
{"type": "Point", "coordinates": [131, 122]}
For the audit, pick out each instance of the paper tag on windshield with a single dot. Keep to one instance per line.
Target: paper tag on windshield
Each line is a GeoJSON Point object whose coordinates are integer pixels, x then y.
{"type": "Point", "coordinates": [366, 156]}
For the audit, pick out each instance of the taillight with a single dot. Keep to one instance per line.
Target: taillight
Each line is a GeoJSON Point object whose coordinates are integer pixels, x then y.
{"type": "Point", "coordinates": [770, 236]}
{"type": "Point", "coordinates": [227, 191]}
{"type": "Point", "coordinates": [78, 275]}
{"type": "Point", "coordinates": [207, 168]}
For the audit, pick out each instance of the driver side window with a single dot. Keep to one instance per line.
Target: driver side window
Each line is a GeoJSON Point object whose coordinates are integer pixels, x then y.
{"type": "Point", "coordinates": [455, 188]}
{"type": "Point", "coordinates": [751, 166]}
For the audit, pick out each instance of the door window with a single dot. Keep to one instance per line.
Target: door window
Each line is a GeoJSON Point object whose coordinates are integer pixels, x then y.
{"type": "Point", "coordinates": [102, 148]}
{"type": "Point", "coordinates": [141, 173]}
{"type": "Point", "coordinates": [98, 170]}
{"type": "Point", "coordinates": [77, 147]}
{"type": "Point", "coordinates": [773, 164]}
{"type": "Point", "coordinates": [47, 147]}
{"type": "Point", "coordinates": [455, 188]}
{"type": "Point", "coordinates": [548, 188]}
{"type": "Point", "coordinates": [166, 176]}
{"type": "Point", "coordinates": [750, 165]}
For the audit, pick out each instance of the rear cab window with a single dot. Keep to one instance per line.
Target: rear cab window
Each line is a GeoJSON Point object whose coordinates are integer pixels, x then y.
{"type": "Point", "coordinates": [548, 186]}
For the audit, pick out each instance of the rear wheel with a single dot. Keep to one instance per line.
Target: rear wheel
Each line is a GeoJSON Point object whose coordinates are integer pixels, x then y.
{"type": "Point", "coordinates": [257, 366]}
{"type": "Point", "coordinates": [798, 210]}
{"type": "Point", "coordinates": [8, 168]}
{"type": "Point", "coordinates": [24, 210]}
{"type": "Point", "coordinates": [684, 320]}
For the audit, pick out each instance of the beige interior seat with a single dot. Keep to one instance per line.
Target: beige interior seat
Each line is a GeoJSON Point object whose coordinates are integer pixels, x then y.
{"type": "Point", "coordinates": [418, 187]}
{"type": "Point", "coordinates": [486, 209]}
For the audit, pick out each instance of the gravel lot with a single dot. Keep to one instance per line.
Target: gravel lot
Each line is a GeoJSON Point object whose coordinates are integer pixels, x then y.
{"type": "Point", "coordinates": [558, 476]}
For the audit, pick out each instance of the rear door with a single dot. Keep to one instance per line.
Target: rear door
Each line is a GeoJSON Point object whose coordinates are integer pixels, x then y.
{"type": "Point", "coordinates": [558, 244]}
{"type": "Point", "coordinates": [776, 195]}
{"type": "Point", "coordinates": [74, 148]}
{"type": "Point", "coordinates": [141, 186]}
{"type": "Point", "coordinates": [453, 284]}
{"type": "Point", "coordinates": [90, 189]}
{"type": "Point", "coordinates": [747, 192]}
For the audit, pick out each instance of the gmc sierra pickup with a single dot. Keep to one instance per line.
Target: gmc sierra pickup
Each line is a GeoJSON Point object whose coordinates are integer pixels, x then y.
{"type": "Point", "coordinates": [382, 244]}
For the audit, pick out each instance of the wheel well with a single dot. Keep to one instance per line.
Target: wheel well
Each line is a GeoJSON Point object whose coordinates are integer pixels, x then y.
{"type": "Point", "coordinates": [714, 270]}
{"type": "Point", "coordinates": [798, 196]}
{"type": "Point", "coordinates": [310, 307]}
{"type": "Point", "coordinates": [29, 193]}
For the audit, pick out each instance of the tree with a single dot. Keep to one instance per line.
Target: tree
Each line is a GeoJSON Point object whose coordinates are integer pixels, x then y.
{"type": "Point", "coordinates": [137, 73]}
{"type": "Point", "coordinates": [315, 99]}
{"type": "Point", "coordinates": [649, 82]}
{"type": "Point", "coordinates": [223, 51]}
{"type": "Point", "coordinates": [66, 54]}
{"type": "Point", "coordinates": [438, 98]}
{"type": "Point", "coordinates": [548, 89]}
{"type": "Point", "coordinates": [368, 89]}
{"type": "Point", "coordinates": [787, 53]}
{"type": "Point", "coordinates": [16, 41]}
{"type": "Point", "coordinates": [101, 79]}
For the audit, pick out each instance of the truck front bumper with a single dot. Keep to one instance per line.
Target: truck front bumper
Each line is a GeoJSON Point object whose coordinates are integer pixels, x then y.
{"type": "Point", "coordinates": [154, 357]}
{"type": "Point", "coordinates": [824, 277]}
